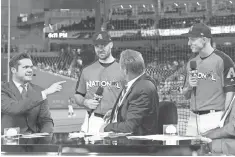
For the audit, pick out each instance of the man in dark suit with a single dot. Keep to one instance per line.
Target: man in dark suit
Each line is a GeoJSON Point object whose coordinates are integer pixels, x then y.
{"type": "Point", "coordinates": [223, 137]}
{"type": "Point", "coordinates": [135, 110]}
{"type": "Point", "coordinates": [24, 104]}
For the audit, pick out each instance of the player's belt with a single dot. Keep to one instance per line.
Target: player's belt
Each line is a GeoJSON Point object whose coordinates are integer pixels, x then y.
{"type": "Point", "coordinates": [98, 115]}
{"type": "Point", "coordinates": [205, 112]}
{"type": "Point", "coordinates": [95, 114]}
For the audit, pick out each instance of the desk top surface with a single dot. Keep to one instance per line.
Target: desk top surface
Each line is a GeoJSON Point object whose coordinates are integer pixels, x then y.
{"type": "Point", "coordinates": [60, 142]}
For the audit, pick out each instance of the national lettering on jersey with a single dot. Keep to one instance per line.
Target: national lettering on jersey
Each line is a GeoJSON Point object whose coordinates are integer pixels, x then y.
{"type": "Point", "coordinates": [111, 84]}
{"type": "Point", "coordinates": [207, 76]}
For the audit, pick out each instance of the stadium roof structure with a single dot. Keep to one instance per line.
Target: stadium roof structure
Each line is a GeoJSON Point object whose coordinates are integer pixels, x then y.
{"type": "Point", "coordinates": [64, 4]}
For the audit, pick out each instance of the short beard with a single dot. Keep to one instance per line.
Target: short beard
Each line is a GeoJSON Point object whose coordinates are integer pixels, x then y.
{"type": "Point", "coordinates": [105, 57]}
{"type": "Point", "coordinates": [109, 53]}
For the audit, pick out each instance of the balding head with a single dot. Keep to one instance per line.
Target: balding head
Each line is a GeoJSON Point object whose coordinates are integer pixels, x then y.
{"type": "Point", "coordinates": [132, 61]}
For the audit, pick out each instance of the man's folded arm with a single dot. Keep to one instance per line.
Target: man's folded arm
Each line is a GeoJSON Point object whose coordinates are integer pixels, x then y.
{"type": "Point", "coordinates": [13, 106]}
{"type": "Point", "coordinates": [139, 107]}
{"type": "Point", "coordinates": [225, 132]}
{"type": "Point", "coordinates": [45, 121]}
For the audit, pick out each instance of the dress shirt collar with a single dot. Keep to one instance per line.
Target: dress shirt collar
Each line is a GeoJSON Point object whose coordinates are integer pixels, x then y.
{"type": "Point", "coordinates": [131, 82]}
{"type": "Point", "coordinates": [18, 85]}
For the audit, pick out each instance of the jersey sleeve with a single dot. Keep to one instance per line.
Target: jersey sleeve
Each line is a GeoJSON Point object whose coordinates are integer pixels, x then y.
{"type": "Point", "coordinates": [81, 85]}
{"type": "Point", "coordinates": [228, 75]}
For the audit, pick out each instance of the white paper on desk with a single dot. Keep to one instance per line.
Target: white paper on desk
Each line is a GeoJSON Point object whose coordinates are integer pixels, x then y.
{"type": "Point", "coordinates": [35, 135]}
{"type": "Point", "coordinates": [41, 134]}
{"type": "Point", "coordinates": [97, 136]}
{"type": "Point", "coordinates": [31, 136]}
{"type": "Point", "coordinates": [3, 136]}
{"type": "Point", "coordinates": [76, 135]}
{"type": "Point", "coordinates": [113, 135]}
{"type": "Point", "coordinates": [28, 136]}
{"type": "Point", "coordinates": [167, 137]}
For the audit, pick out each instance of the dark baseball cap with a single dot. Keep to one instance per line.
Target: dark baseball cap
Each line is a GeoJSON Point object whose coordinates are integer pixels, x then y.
{"type": "Point", "coordinates": [101, 38]}
{"type": "Point", "coordinates": [199, 30]}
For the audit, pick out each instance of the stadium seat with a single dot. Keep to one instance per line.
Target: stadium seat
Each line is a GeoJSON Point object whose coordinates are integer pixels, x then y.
{"type": "Point", "coordinates": [167, 115]}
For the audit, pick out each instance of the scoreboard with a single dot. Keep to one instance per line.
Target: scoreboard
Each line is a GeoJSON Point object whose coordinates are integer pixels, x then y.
{"type": "Point", "coordinates": [56, 35]}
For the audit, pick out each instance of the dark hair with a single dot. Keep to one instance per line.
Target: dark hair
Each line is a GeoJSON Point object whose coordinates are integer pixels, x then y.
{"type": "Point", "coordinates": [14, 62]}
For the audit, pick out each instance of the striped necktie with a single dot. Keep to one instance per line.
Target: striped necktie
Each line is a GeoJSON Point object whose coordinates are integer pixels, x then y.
{"type": "Point", "coordinates": [24, 92]}
{"type": "Point", "coordinates": [119, 104]}
{"type": "Point", "coordinates": [122, 95]}
{"type": "Point", "coordinates": [24, 95]}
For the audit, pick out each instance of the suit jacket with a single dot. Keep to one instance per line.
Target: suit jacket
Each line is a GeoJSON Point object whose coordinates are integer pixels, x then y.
{"type": "Point", "coordinates": [31, 112]}
{"type": "Point", "coordinates": [223, 139]}
{"type": "Point", "coordinates": [138, 111]}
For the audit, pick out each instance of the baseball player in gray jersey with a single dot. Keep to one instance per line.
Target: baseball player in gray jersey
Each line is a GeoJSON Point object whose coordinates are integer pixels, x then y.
{"type": "Point", "coordinates": [212, 89]}
{"type": "Point", "coordinates": [105, 73]}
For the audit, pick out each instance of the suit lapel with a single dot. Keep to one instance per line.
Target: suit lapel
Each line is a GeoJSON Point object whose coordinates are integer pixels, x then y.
{"type": "Point", "coordinates": [129, 91]}
{"type": "Point", "coordinates": [231, 107]}
{"type": "Point", "coordinates": [30, 88]}
{"type": "Point", "coordinates": [228, 109]}
{"type": "Point", "coordinates": [114, 108]}
{"type": "Point", "coordinates": [15, 90]}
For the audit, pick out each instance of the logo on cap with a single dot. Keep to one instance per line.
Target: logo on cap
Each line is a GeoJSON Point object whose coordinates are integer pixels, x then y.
{"type": "Point", "coordinates": [99, 37]}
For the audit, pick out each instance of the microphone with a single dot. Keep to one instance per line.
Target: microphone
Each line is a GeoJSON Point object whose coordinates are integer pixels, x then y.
{"type": "Point", "coordinates": [193, 72]}
{"type": "Point", "coordinates": [97, 96]}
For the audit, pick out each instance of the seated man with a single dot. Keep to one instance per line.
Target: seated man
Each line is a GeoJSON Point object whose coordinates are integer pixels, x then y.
{"type": "Point", "coordinates": [135, 110]}
{"type": "Point", "coordinates": [223, 138]}
{"type": "Point", "coordinates": [24, 104]}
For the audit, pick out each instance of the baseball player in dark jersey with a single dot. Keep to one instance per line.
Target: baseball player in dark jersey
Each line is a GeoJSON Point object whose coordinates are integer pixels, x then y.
{"type": "Point", "coordinates": [104, 72]}
{"type": "Point", "coordinates": [212, 88]}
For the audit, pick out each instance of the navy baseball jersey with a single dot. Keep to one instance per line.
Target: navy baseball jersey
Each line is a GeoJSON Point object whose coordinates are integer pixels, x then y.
{"type": "Point", "coordinates": [108, 76]}
{"type": "Point", "coordinates": [216, 77]}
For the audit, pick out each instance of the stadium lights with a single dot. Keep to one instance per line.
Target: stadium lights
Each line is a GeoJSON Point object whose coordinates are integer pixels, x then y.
{"type": "Point", "coordinates": [231, 2]}
{"type": "Point", "coordinates": [143, 5]}
{"type": "Point", "coordinates": [130, 6]}
{"type": "Point", "coordinates": [185, 4]}
{"type": "Point", "coordinates": [121, 6]}
{"type": "Point", "coordinates": [64, 10]}
{"type": "Point", "coordinates": [198, 3]}
{"type": "Point", "coordinates": [152, 6]}
{"type": "Point", "coordinates": [176, 4]}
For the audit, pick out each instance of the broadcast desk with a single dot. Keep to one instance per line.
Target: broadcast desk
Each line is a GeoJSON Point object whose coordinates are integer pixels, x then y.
{"type": "Point", "coordinates": [60, 144]}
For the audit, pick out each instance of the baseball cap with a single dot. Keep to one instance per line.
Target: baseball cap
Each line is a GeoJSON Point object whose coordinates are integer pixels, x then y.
{"type": "Point", "coordinates": [101, 38]}
{"type": "Point", "coordinates": [199, 30]}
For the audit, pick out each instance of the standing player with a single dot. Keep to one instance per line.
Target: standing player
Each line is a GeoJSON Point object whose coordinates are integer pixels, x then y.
{"type": "Point", "coordinates": [212, 89]}
{"type": "Point", "coordinates": [70, 108]}
{"type": "Point", "coordinates": [105, 72]}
